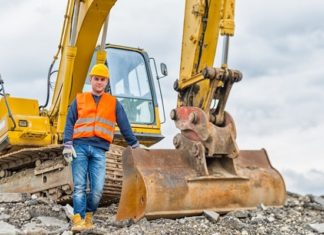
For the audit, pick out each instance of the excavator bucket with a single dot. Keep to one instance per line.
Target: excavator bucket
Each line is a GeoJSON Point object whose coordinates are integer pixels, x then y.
{"type": "Point", "coordinates": [165, 183]}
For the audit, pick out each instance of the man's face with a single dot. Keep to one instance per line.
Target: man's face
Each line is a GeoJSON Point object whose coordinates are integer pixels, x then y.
{"type": "Point", "coordinates": [98, 84]}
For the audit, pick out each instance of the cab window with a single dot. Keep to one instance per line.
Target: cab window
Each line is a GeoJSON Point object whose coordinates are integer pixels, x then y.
{"type": "Point", "coordinates": [129, 82]}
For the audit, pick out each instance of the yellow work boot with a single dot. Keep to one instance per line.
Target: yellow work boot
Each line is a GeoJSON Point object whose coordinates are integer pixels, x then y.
{"type": "Point", "coordinates": [78, 224]}
{"type": "Point", "coordinates": [88, 220]}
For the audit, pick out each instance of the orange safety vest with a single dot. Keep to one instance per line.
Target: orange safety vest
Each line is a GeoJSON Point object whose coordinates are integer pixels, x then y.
{"type": "Point", "coordinates": [95, 120]}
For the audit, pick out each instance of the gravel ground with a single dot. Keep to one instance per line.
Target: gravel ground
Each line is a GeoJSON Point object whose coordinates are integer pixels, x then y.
{"type": "Point", "coordinates": [300, 215]}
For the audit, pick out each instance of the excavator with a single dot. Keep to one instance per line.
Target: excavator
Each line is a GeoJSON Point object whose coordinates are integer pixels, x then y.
{"type": "Point", "coordinates": [206, 170]}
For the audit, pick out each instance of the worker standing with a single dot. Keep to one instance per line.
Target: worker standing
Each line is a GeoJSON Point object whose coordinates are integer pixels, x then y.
{"type": "Point", "coordinates": [88, 133]}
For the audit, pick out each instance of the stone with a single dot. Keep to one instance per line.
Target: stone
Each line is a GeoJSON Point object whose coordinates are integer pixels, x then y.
{"type": "Point", "coordinates": [56, 208]}
{"type": "Point", "coordinates": [182, 221]}
{"type": "Point", "coordinates": [67, 233]}
{"type": "Point", "coordinates": [211, 215]}
{"type": "Point", "coordinates": [50, 225]}
{"type": "Point", "coordinates": [13, 197]}
{"type": "Point", "coordinates": [258, 218]}
{"type": "Point", "coordinates": [68, 211]}
{"type": "Point", "coordinates": [299, 216]}
{"type": "Point", "coordinates": [244, 232]}
{"type": "Point", "coordinates": [31, 202]}
{"type": "Point", "coordinates": [319, 200]}
{"type": "Point", "coordinates": [271, 219]}
{"type": "Point", "coordinates": [317, 227]}
{"type": "Point", "coordinates": [262, 207]}
{"type": "Point", "coordinates": [241, 214]}
{"type": "Point", "coordinates": [233, 223]}
{"type": "Point", "coordinates": [284, 229]}
{"type": "Point", "coordinates": [37, 231]}
{"type": "Point", "coordinates": [4, 217]}
{"type": "Point", "coordinates": [8, 229]}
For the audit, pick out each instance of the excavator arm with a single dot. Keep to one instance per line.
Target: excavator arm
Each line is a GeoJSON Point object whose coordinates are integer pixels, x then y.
{"type": "Point", "coordinates": [199, 82]}
{"type": "Point", "coordinates": [207, 170]}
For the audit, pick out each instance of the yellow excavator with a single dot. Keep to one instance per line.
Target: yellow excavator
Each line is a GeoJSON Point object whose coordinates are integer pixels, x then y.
{"type": "Point", "coordinates": [31, 135]}
{"type": "Point", "coordinates": [205, 171]}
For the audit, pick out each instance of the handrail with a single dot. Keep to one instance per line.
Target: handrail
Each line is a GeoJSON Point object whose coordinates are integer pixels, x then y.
{"type": "Point", "coordinates": [7, 104]}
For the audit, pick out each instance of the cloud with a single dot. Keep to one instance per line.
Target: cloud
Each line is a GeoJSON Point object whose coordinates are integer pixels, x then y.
{"type": "Point", "coordinates": [304, 183]}
{"type": "Point", "coordinates": [277, 37]}
{"type": "Point", "coordinates": [28, 44]}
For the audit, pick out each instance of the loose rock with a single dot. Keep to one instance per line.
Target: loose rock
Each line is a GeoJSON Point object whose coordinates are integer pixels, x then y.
{"type": "Point", "coordinates": [34, 215]}
{"type": "Point", "coordinates": [317, 227]}
{"type": "Point", "coordinates": [211, 215]}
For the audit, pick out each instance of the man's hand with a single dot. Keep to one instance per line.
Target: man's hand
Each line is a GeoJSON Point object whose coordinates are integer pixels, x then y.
{"type": "Point", "coordinates": [68, 152]}
{"type": "Point", "coordinates": [138, 145]}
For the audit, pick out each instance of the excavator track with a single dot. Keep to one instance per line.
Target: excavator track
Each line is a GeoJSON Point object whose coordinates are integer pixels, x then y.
{"type": "Point", "coordinates": [114, 173]}
{"type": "Point", "coordinates": [43, 172]}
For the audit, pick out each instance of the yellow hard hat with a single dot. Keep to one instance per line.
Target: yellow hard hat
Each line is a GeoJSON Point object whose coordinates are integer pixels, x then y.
{"type": "Point", "coordinates": [100, 70]}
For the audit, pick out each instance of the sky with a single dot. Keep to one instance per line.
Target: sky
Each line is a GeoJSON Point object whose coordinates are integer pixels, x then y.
{"type": "Point", "coordinates": [278, 46]}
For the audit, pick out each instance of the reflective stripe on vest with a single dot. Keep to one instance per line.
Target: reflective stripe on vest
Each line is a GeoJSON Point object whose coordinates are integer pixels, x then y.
{"type": "Point", "coordinates": [98, 119]}
{"type": "Point", "coordinates": [95, 120]}
{"type": "Point", "coordinates": [93, 129]}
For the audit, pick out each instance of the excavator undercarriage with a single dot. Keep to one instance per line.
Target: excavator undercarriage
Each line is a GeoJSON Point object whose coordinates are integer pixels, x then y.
{"type": "Point", "coordinates": [43, 172]}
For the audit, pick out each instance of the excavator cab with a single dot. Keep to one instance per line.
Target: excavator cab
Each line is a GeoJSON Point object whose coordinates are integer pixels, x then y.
{"type": "Point", "coordinates": [131, 82]}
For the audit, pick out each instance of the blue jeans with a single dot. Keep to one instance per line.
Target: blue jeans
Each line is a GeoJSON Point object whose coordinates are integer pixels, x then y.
{"type": "Point", "coordinates": [89, 164]}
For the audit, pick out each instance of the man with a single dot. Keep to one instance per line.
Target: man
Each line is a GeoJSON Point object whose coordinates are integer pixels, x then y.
{"type": "Point", "coordinates": [88, 133]}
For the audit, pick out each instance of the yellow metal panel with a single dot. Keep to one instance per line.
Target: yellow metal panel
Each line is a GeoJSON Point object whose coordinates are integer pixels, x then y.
{"type": "Point", "coordinates": [101, 56]}
{"type": "Point", "coordinates": [3, 108]}
{"type": "Point", "coordinates": [193, 80]}
{"type": "Point", "coordinates": [211, 35]}
{"type": "Point", "coordinates": [35, 123]}
{"type": "Point", "coordinates": [157, 118]}
{"type": "Point", "coordinates": [227, 23]}
{"type": "Point", "coordinates": [194, 58]}
{"type": "Point", "coordinates": [191, 34]}
{"type": "Point", "coordinates": [68, 65]}
{"type": "Point", "coordinates": [36, 133]}
{"type": "Point", "coordinates": [15, 139]}
{"type": "Point", "coordinates": [20, 106]}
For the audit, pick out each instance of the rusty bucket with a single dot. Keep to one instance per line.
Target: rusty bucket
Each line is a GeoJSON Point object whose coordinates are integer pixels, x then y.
{"type": "Point", "coordinates": [163, 183]}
